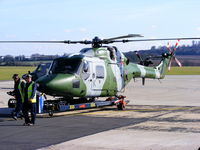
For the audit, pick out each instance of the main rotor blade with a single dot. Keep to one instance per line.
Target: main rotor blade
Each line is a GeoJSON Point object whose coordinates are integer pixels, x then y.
{"type": "Point", "coordinates": [105, 41]}
{"type": "Point", "coordinates": [164, 39]}
{"type": "Point", "coordinates": [51, 42]}
{"type": "Point", "coordinates": [122, 37]}
{"type": "Point", "coordinates": [138, 55]}
{"type": "Point", "coordinates": [32, 41]}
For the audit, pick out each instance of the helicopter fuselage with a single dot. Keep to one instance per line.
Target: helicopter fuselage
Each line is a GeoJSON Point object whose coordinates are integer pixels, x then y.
{"type": "Point", "coordinates": [94, 72]}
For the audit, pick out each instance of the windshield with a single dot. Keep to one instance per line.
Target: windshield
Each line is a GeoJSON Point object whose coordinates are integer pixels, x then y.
{"type": "Point", "coordinates": [65, 66]}
{"type": "Point", "coordinates": [43, 67]}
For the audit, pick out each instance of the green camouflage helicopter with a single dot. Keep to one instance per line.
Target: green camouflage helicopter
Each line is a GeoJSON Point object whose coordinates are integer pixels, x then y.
{"type": "Point", "coordinates": [99, 71]}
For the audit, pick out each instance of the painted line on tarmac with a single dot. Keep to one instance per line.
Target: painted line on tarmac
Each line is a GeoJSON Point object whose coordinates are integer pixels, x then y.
{"type": "Point", "coordinates": [134, 110]}
{"type": "Point", "coordinates": [139, 110]}
{"type": "Point", "coordinates": [161, 109]}
{"type": "Point", "coordinates": [109, 111]}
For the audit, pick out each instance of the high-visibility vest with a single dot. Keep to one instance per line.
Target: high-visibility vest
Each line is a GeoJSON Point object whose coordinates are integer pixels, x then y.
{"type": "Point", "coordinates": [30, 90]}
{"type": "Point", "coordinates": [21, 91]}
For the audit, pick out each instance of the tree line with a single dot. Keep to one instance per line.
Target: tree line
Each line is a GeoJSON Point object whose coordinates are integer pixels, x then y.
{"type": "Point", "coordinates": [22, 60]}
{"type": "Point", "coordinates": [189, 55]}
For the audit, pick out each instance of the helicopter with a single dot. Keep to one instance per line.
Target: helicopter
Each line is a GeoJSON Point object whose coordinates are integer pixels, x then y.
{"type": "Point", "coordinates": [99, 71]}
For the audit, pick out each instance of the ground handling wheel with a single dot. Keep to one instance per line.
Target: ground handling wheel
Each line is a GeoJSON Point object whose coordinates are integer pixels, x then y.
{"type": "Point", "coordinates": [51, 113]}
{"type": "Point", "coordinates": [120, 102]}
{"type": "Point", "coordinates": [50, 106]}
{"type": "Point", "coordinates": [120, 106]}
{"type": "Point", "coordinates": [12, 103]}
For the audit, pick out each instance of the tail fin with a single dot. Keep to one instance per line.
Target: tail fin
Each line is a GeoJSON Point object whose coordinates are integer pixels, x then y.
{"type": "Point", "coordinates": [162, 67]}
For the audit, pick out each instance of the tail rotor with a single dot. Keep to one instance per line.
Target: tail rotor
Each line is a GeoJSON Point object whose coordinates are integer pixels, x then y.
{"type": "Point", "coordinates": [172, 53]}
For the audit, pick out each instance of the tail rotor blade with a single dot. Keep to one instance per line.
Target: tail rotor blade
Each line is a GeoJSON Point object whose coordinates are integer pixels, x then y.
{"type": "Point", "coordinates": [176, 45]}
{"type": "Point", "coordinates": [168, 47]}
{"type": "Point", "coordinates": [170, 63]}
{"type": "Point", "coordinates": [178, 62]}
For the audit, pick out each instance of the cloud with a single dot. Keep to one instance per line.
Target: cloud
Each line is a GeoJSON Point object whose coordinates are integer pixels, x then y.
{"type": "Point", "coordinates": [198, 29]}
{"type": "Point", "coordinates": [153, 26]}
{"type": "Point", "coordinates": [82, 29]}
{"type": "Point", "coordinates": [37, 34]}
{"type": "Point", "coordinates": [10, 36]}
{"type": "Point", "coordinates": [67, 30]}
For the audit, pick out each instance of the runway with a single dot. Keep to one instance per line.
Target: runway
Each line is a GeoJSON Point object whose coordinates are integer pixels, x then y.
{"type": "Point", "coordinates": [159, 116]}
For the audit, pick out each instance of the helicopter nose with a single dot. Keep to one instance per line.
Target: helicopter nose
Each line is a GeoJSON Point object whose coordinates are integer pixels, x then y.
{"type": "Point", "coordinates": [55, 84]}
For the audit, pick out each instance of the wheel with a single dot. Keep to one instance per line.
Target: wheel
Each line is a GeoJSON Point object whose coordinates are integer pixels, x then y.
{"type": "Point", "coordinates": [120, 106]}
{"type": "Point", "coordinates": [51, 113]}
{"type": "Point", "coordinates": [91, 99]}
{"type": "Point", "coordinates": [12, 103]}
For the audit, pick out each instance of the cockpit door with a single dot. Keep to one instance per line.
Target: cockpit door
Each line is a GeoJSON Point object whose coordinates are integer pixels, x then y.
{"type": "Point", "coordinates": [98, 76]}
{"type": "Point", "coordinates": [94, 75]}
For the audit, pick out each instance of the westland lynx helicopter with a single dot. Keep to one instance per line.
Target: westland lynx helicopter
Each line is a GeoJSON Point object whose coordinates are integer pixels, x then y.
{"type": "Point", "coordinates": [99, 71]}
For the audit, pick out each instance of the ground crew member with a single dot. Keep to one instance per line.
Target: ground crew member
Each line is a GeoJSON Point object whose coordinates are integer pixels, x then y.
{"type": "Point", "coordinates": [29, 100]}
{"type": "Point", "coordinates": [18, 93]}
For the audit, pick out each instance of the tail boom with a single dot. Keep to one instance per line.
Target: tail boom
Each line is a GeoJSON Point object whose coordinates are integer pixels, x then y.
{"type": "Point", "coordinates": [139, 71]}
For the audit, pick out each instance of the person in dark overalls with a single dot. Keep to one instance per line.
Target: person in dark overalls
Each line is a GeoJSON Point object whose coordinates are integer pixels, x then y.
{"type": "Point", "coordinates": [18, 93]}
{"type": "Point", "coordinates": [29, 100]}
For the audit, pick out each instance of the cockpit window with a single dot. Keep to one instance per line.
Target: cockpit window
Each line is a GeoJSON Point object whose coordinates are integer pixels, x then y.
{"type": "Point", "coordinates": [42, 68]}
{"type": "Point", "coordinates": [85, 66]}
{"type": "Point", "coordinates": [85, 50]}
{"type": "Point", "coordinates": [69, 65]}
{"type": "Point", "coordinates": [99, 72]}
{"type": "Point", "coordinates": [86, 70]}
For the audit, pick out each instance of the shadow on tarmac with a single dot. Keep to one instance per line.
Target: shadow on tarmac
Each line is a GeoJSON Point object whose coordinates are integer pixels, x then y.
{"type": "Point", "coordinates": [50, 131]}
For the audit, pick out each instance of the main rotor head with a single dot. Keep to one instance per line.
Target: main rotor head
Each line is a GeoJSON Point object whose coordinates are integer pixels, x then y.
{"type": "Point", "coordinates": [96, 42]}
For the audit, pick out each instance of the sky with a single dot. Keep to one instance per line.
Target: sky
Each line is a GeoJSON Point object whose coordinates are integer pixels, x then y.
{"type": "Point", "coordinates": [84, 19]}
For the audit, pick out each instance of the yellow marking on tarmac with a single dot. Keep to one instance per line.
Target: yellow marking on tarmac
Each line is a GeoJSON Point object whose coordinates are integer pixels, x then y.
{"type": "Point", "coordinates": [140, 110]}
{"type": "Point", "coordinates": [161, 109]}
{"type": "Point", "coordinates": [112, 111]}
{"type": "Point", "coordinates": [9, 119]}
